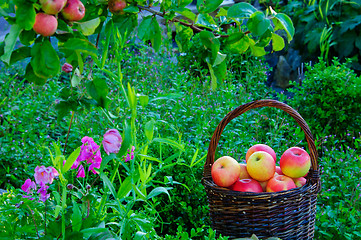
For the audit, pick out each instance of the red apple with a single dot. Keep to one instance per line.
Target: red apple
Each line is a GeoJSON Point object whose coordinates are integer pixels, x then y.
{"type": "Point", "coordinates": [279, 171]}
{"type": "Point", "coordinates": [261, 166]}
{"type": "Point", "coordinates": [280, 183]}
{"type": "Point", "coordinates": [243, 174]}
{"type": "Point", "coordinates": [299, 182]}
{"type": "Point", "coordinates": [260, 147]}
{"type": "Point", "coordinates": [117, 6]}
{"type": "Point", "coordinates": [45, 24]}
{"type": "Point", "coordinates": [295, 162]}
{"type": "Point", "coordinates": [225, 171]}
{"type": "Point", "coordinates": [246, 185]}
{"type": "Point", "coordinates": [74, 10]}
{"type": "Point", "coordinates": [52, 6]}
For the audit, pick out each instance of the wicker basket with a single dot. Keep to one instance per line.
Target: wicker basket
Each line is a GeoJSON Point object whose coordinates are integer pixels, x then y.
{"type": "Point", "coordinates": [287, 214]}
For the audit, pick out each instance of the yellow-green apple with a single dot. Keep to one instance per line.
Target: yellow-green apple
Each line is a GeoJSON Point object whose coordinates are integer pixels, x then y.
{"type": "Point", "coordinates": [74, 10]}
{"type": "Point", "coordinates": [52, 6]}
{"type": "Point", "coordinates": [295, 162]}
{"type": "Point", "coordinates": [264, 185]}
{"type": "Point", "coordinates": [299, 182]}
{"type": "Point", "coordinates": [261, 166]}
{"type": "Point", "coordinates": [279, 170]}
{"type": "Point", "coordinates": [261, 147]}
{"type": "Point", "coordinates": [280, 183]}
{"type": "Point", "coordinates": [243, 174]}
{"type": "Point", "coordinates": [45, 24]}
{"type": "Point", "coordinates": [225, 171]}
{"type": "Point", "coordinates": [246, 185]}
{"type": "Point", "coordinates": [117, 6]}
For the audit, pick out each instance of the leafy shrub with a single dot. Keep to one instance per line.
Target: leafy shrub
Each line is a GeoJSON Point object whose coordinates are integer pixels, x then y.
{"type": "Point", "coordinates": [329, 99]}
{"type": "Point", "coordinates": [327, 28]}
{"type": "Point", "coordinates": [339, 205]}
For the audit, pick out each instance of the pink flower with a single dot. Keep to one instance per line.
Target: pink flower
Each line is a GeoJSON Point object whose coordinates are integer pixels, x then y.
{"type": "Point", "coordinates": [81, 172]}
{"type": "Point", "coordinates": [130, 155]}
{"type": "Point", "coordinates": [112, 141]}
{"type": "Point", "coordinates": [44, 175]}
{"type": "Point", "coordinates": [67, 67]}
{"type": "Point", "coordinates": [28, 186]}
{"type": "Point", "coordinates": [43, 192]}
{"type": "Point", "coordinates": [90, 152]}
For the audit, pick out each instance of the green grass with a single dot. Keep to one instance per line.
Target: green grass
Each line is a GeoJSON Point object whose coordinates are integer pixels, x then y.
{"type": "Point", "coordinates": [187, 111]}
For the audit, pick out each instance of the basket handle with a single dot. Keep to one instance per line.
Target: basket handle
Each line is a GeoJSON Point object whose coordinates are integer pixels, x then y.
{"type": "Point", "coordinates": [314, 171]}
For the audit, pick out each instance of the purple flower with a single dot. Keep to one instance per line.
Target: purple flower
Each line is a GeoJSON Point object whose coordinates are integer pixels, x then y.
{"type": "Point", "coordinates": [130, 155]}
{"type": "Point", "coordinates": [67, 67]}
{"type": "Point", "coordinates": [44, 175]}
{"type": "Point", "coordinates": [112, 141]}
{"type": "Point", "coordinates": [90, 152]}
{"type": "Point", "coordinates": [43, 192]}
{"type": "Point", "coordinates": [28, 186]}
{"type": "Point", "coordinates": [81, 172]}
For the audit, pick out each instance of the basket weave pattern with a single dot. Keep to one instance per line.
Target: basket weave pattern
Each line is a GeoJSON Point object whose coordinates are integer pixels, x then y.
{"type": "Point", "coordinates": [287, 214]}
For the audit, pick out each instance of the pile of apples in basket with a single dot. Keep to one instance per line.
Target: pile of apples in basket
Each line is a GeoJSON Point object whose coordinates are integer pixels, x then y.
{"type": "Point", "coordinates": [260, 173]}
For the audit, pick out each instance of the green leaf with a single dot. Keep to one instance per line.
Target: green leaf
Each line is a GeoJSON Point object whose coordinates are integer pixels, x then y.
{"type": "Point", "coordinates": [156, 191]}
{"type": "Point", "coordinates": [183, 37]}
{"type": "Point", "coordinates": [169, 142]}
{"type": "Point", "coordinates": [149, 129]}
{"type": "Point", "coordinates": [76, 218]}
{"type": "Point", "coordinates": [183, 3]}
{"type": "Point", "coordinates": [57, 211]}
{"type": "Point", "coordinates": [220, 71]}
{"type": "Point", "coordinates": [125, 23]}
{"type": "Point", "coordinates": [25, 14]}
{"type": "Point", "coordinates": [125, 187]}
{"type": "Point", "coordinates": [27, 37]}
{"type": "Point", "coordinates": [88, 27]}
{"type": "Point", "coordinates": [237, 42]}
{"type": "Point", "coordinates": [80, 45]}
{"type": "Point", "coordinates": [241, 10]}
{"type": "Point", "coordinates": [213, 77]}
{"type": "Point", "coordinates": [284, 22]}
{"type": "Point", "coordinates": [31, 77]}
{"type": "Point", "coordinates": [71, 159]}
{"type": "Point", "coordinates": [209, 40]}
{"type": "Point", "coordinates": [207, 21]}
{"type": "Point", "coordinates": [149, 30]}
{"type": "Point", "coordinates": [20, 54]}
{"type": "Point", "coordinates": [257, 51]}
{"type": "Point", "coordinates": [277, 42]}
{"type": "Point", "coordinates": [358, 42]}
{"type": "Point", "coordinates": [156, 35]}
{"type": "Point", "coordinates": [258, 23]}
{"type": "Point", "coordinates": [219, 59]}
{"type": "Point", "coordinates": [265, 39]}
{"type": "Point", "coordinates": [208, 6]}
{"type": "Point", "coordinates": [212, 43]}
{"type": "Point", "coordinates": [222, 12]}
{"type": "Point", "coordinates": [108, 184]}
{"type": "Point", "coordinates": [76, 78]}
{"type": "Point", "coordinates": [10, 41]}
{"type": "Point", "coordinates": [131, 9]}
{"type": "Point", "coordinates": [186, 13]}
{"type": "Point", "coordinates": [98, 90]}
{"type": "Point", "coordinates": [143, 100]}
{"type": "Point", "coordinates": [90, 231]}
{"type": "Point", "coordinates": [45, 61]}
{"type": "Point", "coordinates": [144, 29]}
{"type": "Point", "coordinates": [132, 98]}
